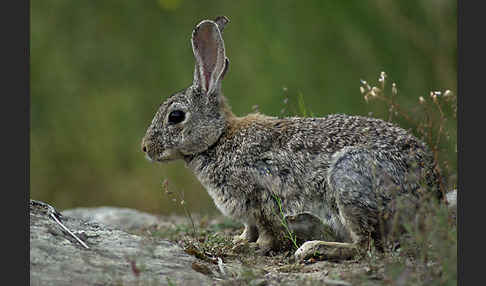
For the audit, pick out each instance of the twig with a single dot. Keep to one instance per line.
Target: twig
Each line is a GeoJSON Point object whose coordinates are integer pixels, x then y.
{"type": "Point", "coordinates": [54, 214]}
{"type": "Point", "coordinates": [220, 265]}
{"type": "Point", "coordinates": [180, 195]}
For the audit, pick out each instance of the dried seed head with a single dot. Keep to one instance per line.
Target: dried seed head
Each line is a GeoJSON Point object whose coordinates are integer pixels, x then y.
{"type": "Point", "coordinates": [375, 90]}
{"type": "Point", "coordinates": [394, 89]}
{"type": "Point", "coordinates": [165, 186]}
{"type": "Point", "coordinates": [382, 77]}
{"type": "Point", "coordinates": [421, 100]}
{"type": "Point", "coordinates": [433, 95]}
{"type": "Point", "coordinates": [447, 93]}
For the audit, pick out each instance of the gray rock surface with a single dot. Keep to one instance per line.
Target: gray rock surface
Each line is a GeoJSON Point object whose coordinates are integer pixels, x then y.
{"type": "Point", "coordinates": [114, 257]}
{"type": "Point", "coordinates": [120, 218]}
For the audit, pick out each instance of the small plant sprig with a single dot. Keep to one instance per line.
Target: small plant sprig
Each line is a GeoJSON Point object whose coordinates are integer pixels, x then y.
{"type": "Point", "coordinates": [302, 108]}
{"type": "Point", "coordinates": [289, 109]}
{"type": "Point", "coordinates": [289, 234]}
{"type": "Point", "coordinates": [285, 101]}
{"type": "Point", "coordinates": [179, 196]}
{"type": "Point", "coordinates": [431, 125]}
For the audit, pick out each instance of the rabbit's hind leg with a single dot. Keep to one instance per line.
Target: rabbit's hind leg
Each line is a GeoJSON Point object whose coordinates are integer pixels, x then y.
{"type": "Point", "coordinates": [326, 250]}
{"type": "Point", "coordinates": [355, 182]}
{"type": "Point", "coordinates": [350, 189]}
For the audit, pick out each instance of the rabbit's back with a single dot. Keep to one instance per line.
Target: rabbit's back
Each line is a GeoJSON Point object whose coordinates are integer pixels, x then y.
{"type": "Point", "coordinates": [247, 139]}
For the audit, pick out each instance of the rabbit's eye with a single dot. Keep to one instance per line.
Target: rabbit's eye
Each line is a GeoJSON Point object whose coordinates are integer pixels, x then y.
{"type": "Point", "coordinates": [176, 116]}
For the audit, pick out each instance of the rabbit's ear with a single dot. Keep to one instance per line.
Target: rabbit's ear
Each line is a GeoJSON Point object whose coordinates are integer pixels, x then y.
{"type": "Point", "coordinates": [221, 21]}
{"type": "Point", "coordinates": [208, 48]}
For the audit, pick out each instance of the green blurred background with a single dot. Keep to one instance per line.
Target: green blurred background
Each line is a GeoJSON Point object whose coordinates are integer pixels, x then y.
{"type": "Point", "coordinates": [99, 70]}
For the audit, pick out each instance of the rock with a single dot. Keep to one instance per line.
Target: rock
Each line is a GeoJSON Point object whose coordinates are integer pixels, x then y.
{"type": "Point", "coordinates": [120, 218]}
{"type": "Point", "coordinates": [451, 198]}
{"type": "Point", "coordinates": [114, 257]}
{"type": "Point", "coordinates": [313, 278]}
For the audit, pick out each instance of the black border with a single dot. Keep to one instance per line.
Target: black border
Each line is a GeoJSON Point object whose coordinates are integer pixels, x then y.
{"type": "Point", "coordinates": [15, 114]}
{"type": "Point", "coordinates": [471, 64]}
{"type": "Point", "coordinates": [25, 5]}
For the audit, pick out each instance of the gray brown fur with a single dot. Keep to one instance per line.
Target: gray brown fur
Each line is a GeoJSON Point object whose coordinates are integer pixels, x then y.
{"type": "Point", "coordinates": [349, 171]}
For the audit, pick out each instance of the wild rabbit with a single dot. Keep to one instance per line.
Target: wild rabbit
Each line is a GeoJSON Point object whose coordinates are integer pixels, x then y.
{"type": "Point", "coordinates": [348, 171]}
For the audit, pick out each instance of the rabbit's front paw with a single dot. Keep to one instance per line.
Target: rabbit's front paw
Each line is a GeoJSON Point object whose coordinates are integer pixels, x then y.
{"type": "Point", "coordinates": [250, 234]}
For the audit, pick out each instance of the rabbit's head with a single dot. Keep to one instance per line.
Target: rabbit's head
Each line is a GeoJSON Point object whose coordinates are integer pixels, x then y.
{"type": "Point", "coordinates": [191, 120]}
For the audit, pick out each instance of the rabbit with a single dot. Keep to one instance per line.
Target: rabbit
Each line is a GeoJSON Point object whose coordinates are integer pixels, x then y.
{"type": "Point", "coordinates": [347, 171]}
